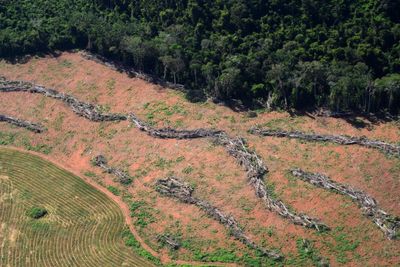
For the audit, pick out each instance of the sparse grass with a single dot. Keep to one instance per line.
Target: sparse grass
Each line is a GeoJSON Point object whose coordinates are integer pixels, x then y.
{"type": "Point", "coordinates": [188, 170]}
{"type": "Point", "coordinates": [287, 123]}
{"type": "Point", "coordinates": [142, 212]}
{"type": "Point", "coordinates": [7, 138]}
{"type": "Point", "coordinates": [110, 85]}
{"type": "Point", "coordinates": [42, 148]}
{"type": "Point", "coordinates": [160, 111]}
{"type": "Point", "coordinates": [89, 174]}
{"type": "Point", "coordinates": [76, 214]}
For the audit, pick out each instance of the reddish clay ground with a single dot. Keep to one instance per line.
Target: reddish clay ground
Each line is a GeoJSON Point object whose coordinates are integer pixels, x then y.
{"type": "Point", "coordinates": [215, 176]}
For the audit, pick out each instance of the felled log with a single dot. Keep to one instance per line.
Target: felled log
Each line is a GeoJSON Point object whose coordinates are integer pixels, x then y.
{"type": "Point", "coordinates": [118, 66]}
{"type": "Point", "coordinates": [87, 110]}
{"type": "Point", "coordinates": [256, 170]}
{"type": "Point", "coordinates": [332, 114]}
{"type": "Point", "coordinates": [169, 133]}
{"type": "Point", "coordinates": [122, 177]}
{"type": "Point", "coordinates": [391, 149]}
{"type": "Point", "coordinates": [37, 128]}
{"type": "Point", "coordinates": [175, 188]}
{"type": "Point", "coordinates": [389, 224]}
{"type": "Point", "coordinates": [169, 241]}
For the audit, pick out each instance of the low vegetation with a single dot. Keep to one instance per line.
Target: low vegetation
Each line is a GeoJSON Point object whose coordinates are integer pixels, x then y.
{"type": "Point", "coordinates": [36, 212]}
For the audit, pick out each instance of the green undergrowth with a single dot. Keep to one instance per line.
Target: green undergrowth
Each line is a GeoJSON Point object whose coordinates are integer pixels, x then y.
{"type": "Point", "coordinates": [142, 212]}
{"type": "Point", "coordinates": [131, 241]}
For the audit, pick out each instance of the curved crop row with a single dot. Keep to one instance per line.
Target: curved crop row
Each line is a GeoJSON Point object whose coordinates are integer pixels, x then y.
{"type": "Point", "coordinates": [82, 226]}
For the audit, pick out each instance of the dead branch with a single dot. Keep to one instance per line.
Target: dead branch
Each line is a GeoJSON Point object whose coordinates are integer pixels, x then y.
{"type": "Point", "coordinates": [123, 177]}
{"type": "Point", "coordinates": [169, 133]}
{"type": "Point", "coordinates": [174, 187]}
{"type": "Point", "coordinates": [389, 224]}
{"type": "Point", "coordinates": [37, 128]}
{"type": "Point", "coordinates": [391, 149]}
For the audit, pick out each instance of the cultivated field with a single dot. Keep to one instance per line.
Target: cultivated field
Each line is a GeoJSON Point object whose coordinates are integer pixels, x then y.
{"type": "Point", "coordinates": [215, 176]}
{"type": "Point", "coordinates": [82, 228]}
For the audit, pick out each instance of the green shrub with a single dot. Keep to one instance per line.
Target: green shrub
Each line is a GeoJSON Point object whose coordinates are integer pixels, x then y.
{"type": "Point", "coordinates": [36, 212]}
{"type": "Point", "coordinates": [114, 190]}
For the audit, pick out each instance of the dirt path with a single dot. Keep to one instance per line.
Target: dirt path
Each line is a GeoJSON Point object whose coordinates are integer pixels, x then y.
{"type": "Point", "coordinates": [124, 208]}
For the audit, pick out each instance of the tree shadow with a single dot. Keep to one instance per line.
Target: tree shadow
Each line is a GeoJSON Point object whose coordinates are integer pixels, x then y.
{"type": "Point", "coordinates": [23, 59]}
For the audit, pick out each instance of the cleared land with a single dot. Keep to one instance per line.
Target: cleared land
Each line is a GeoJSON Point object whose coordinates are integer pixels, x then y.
{"type": "Point", "coordinates": [217, 178]}
{"type": "Point", "coordinates": [83, 226]}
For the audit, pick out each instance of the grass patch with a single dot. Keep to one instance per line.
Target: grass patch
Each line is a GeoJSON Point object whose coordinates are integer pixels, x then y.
{"type": "Point", "coordinates": [114, 190]}
{"type": "Point", "coordinates": [36, 212]}
{"type": "Point", "coordinates": [7, 138]}
{"type": "Point", "coordinates": [142, 212]}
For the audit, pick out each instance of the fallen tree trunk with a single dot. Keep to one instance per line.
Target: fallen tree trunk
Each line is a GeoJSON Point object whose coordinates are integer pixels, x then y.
{"type": "Point", "coordinates": [175, 188]}
{"type": "Point", "coordinates": [169, 241]}
{"type": "Point", "coordinates": [87, 110]}
{"type": "Point", "coordinates": [131, 72]}
{"type": "Point", "coordinates": [122, 177]}
{"type": "Point", "coordinates": [389, 224]}
{"type": "Point", "coordinates": [256, 170]}
{"type": "Point", "coordinates": [391, 149]}
{"type": "Point", "coordinates": [169, 133]}
{"type": "Point", "coordinates": [24, 124]}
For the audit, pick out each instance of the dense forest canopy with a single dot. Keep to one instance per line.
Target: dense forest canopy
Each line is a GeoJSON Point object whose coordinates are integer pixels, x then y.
{"type": "Point", "coordinates": [339, 54]}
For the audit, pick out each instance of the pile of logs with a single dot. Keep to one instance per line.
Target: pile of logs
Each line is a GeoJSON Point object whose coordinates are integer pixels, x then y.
{"type": "Point", "coordinates": [389, 224]}
{"type": "Point", "coordinates": [86, 110]}
{"type": "Point", "coordinates": [391, 149]}
{"type": "Point", "coordinates": [122, 177]}
{"type": "Point", "coordinates": [24, 124]}
{"type": "Point", "coordinates": [130, 71]}
{"type": "Point", "coordinates": [169, 133]}
{"type": "Point", "coordinates": [174, 187]}
{"type": "Point", "coordinates": [256, 170]}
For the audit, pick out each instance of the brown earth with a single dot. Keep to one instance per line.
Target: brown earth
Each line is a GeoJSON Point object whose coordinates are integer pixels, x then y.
{"type": "Point", "coordinates": [354, 241]}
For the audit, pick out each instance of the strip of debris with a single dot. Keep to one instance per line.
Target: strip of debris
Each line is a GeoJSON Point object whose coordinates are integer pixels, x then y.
{"type": "Point", "coordinates": [256, 171]}
{"type": "Point", "coordinates": [172, 133]}
{"type": "Point", "coordinates": [118, 66]}
{"type": "Point", "coordinates": [389, 224]}
{"type": "Point", "coordinates": [87, 110]}
{"type": "Point", "coordinates": [37, 128]}
{"type": "Point", "coordinates": [174, 187]}
{"type": "Point", "coordinates": [236, 147]}
{"type": "Point", "coordinates": [391, 149]}
{"type": "Point", "coordinates": [122, 177]}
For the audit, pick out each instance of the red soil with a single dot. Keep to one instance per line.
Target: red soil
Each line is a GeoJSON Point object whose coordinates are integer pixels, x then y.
{"type": "Point", "coordinates": [216, 176]}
